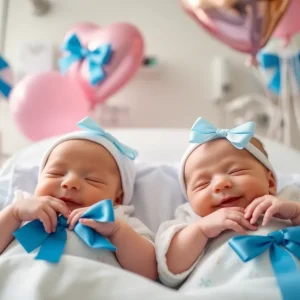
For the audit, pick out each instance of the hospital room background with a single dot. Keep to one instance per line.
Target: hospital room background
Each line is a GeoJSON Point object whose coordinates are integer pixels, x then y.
{"type": "Point", "coordinates": [185, 71]}
{"type": "Point", "coordinates": [145, 70]}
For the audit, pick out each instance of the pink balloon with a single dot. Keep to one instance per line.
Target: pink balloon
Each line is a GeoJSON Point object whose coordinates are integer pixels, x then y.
{"type": "Point", "coordinates": [128, 53]}
{"type": "Point", "coordinates": [47, 104]}
{"type": "Point", "coordinates": [290, 23]}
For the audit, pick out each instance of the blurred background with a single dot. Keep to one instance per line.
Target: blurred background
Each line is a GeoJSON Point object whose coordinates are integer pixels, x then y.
{"type": "Point", "coordinates": [184, 71]}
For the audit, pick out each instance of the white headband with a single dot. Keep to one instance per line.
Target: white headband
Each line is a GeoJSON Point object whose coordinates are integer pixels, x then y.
{"type": "Point", "coordinates": [260, 156]}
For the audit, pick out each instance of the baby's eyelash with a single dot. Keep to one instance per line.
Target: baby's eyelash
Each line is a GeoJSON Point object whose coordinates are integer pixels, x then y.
{"type": "Point", "coordinates": [54, 173]}
{"type": "Point", "coordinates": [94, 180]}
{"type": "Point", "coordinates": [201, 185]}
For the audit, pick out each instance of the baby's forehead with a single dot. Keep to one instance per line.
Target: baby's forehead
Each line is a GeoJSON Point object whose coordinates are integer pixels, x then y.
{"type": "Point", "coordinates": [82, 151]}
{"type": "Point", "coordinates": [212, 152]}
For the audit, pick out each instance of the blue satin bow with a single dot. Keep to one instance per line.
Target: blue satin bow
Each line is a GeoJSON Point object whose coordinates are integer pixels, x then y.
{"type": "Point", "coordinates": [33, 234]}
{"type": "Point", "coordinates": [203, 131]}
{"type": "Point", "coordinates": [281, 243]}
{"type": "Point", "coordinates": [5, 88]}
{"type": "Point", "coordinates": [96, 58]}
{"type": "Point", "coordinates": [272, 61]}
{"type": "Point", "coordinates": [91, 126]}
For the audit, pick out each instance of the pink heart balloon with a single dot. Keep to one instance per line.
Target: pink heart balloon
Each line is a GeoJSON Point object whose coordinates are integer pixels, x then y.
{"type": "Point", "coordinates": [47, 104]}
{"type": "Point", "coordinates": [244, 25]}
{"type": "Point", "coordinates": [127, 56]}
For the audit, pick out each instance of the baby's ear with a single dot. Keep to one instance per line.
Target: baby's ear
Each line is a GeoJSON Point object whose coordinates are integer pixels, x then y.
{"type": "Point", "coordinates": [272, 183]}
{"type": "Point", "coordinates": [119, 197]}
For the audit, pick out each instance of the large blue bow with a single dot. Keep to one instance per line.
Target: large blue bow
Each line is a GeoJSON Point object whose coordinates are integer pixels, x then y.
{"type": "Point", "coordinates": [272, 61]}
{"type": "Point", "coordinates": [96, 58]}
{"type": "Point", "coordinates": [33, 234]}
{"type": "Point", "coordinates": [284, 266]}
{"type": "Point", "coordinates": [91, 126]}
{"type": "Point", "coordinates": [203, 131]}
{"type": "Point", "coordinates": [5, 88]}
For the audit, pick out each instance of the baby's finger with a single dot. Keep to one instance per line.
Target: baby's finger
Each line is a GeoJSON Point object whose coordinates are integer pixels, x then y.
{"type": "Point", "coordinates": [270, 212]}
{"type": "Point", "coordinates": [60, 207]}
{"type": "Point", "coordinates": [246, 224]}
{"type": "Point", "coordinates": [75, 219]}
{"type": "Point", "coordinates": [239, 218]}
{"type": "Point", "coordinates": [259, 210]}
{"type": "Point", "coordinates": [251, 207]}
{"type": "Point", "coordinates": [235, 227]}
{"type": "Point", "coordinates": [44, 218]}
{"type": "Point", "coordinates": [52, 216]}
{"type": "Point", "coordinates": [238, 209]}
{"type": "Point", "coordinates": [71, 215]}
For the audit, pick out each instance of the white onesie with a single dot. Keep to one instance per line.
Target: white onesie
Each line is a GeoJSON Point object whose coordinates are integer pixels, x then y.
{"type": "Point", "coordinates": [219, 267]}
{"type": "Point", "coordinates": [76, 247]}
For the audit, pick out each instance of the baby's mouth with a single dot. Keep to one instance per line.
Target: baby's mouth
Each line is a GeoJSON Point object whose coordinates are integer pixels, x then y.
{"type": "Point", "coordinates": [230, 201]}
{"type": "Point", "coordinates": [72, 204]}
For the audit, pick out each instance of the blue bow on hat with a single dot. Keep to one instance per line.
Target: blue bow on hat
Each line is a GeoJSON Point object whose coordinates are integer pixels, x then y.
{"type": "Point", "coordinates": [90, 125]}
{"type": "Point", "coordinates": [33, 235]}
{"type": "Point", "coordinates": [96, 58]}
{"type": "Point", "coordinates": [5, 88]}
{"type": "Point", "coordinates": [203, 131]}
{"type": "Point", "coordinates": [282, 244]}
{"type": "Point", "coordinates": [272, 61]}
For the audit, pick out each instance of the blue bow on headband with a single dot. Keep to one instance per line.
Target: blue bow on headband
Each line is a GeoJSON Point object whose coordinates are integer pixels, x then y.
{"type": "Point", "coordinates": [90, 125]}
{"type": "Point", "coordinates": [203, 131]}
{"type": "Point", "coordinates": [281, 244]}
{"type": "Point", "coordinates": [5, 88]}
{"type": "Point", "coordinates": [272, 61]}
{"type": "Point", "coordinates": [96, 58]}
{"type": "Point", "coordinates": [33, 234]}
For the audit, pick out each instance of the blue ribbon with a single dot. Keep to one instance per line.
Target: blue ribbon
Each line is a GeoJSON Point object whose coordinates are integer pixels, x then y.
{"type": "Point", "coordinates": [5, 88]}
{"type": "Point", "coordinates": [96, 58]}
{"type": "Point", "coordinates": [33, 235]}
{"type": "Point", "coordinates": [287, 274]}
{"type": "Point", "coordinates": [90, 125]}
{"type": "Point", "coordinates": [203, 131]}
{"type": "Point", "coordinates": [272, 61]}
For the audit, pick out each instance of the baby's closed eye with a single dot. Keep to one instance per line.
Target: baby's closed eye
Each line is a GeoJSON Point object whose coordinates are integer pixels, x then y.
{"type": "Point", "coordinates": [238, 171]}
{"type": "Point", "coordinates": [201, 185]}
{"type": "Point", "coordinates": [94, 180]}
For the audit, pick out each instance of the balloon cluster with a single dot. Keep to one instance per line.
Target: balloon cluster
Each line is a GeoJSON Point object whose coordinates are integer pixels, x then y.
{"type": "Point", "coordinates": [96, 62]}
{"type": "Point", "coordinates": [244, 25]}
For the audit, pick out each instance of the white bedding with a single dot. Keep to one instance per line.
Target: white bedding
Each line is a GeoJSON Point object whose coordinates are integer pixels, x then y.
{"type": "Point", "coordinates": [156, 196]}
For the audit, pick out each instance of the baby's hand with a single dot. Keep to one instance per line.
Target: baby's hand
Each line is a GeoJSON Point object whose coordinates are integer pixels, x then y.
{"type": "Point", "coordinates": [223, 219]}
{"type": "Point", "coordinates": [75, 216]}
{"type": "Point", "coordinates": [272, 206]}
{"type": "Point", "coordinates": [107, 229]}
{"type": "Point", "coordinates": [43, 208]}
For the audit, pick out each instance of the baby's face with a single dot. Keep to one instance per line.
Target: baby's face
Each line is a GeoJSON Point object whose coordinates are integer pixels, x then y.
{"type": "Point", "coordinates": [218, 175]}
{"type": "Point", "coordinates": [81, 173]}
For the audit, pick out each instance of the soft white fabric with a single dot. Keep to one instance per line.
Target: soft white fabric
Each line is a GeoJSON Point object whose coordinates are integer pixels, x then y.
{"type": "Point", "coordinates": [75, 246]}
{"type": "Point", "coordinates": [193, 146]}
{"type": "Point", "coordinates": [218, 265]}
{"type": "Point", "coordinates": [126, 165]}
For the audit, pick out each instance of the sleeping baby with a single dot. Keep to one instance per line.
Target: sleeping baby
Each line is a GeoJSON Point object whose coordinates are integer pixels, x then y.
{"type": "Point", "coordinates": [77, 172]}
{"type": "Point", "coordinates": [220, 238]}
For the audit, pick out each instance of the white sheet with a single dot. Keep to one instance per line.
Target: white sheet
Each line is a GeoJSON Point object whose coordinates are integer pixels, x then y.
{"type": "Point", "coordinates": [77, 279]}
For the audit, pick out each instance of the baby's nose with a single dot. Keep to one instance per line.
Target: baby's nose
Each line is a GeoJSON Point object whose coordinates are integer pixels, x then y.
{"type": "Point", "coordinates": [222, 184]}
{"type": "Point", "coordinates": [71, 182]}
